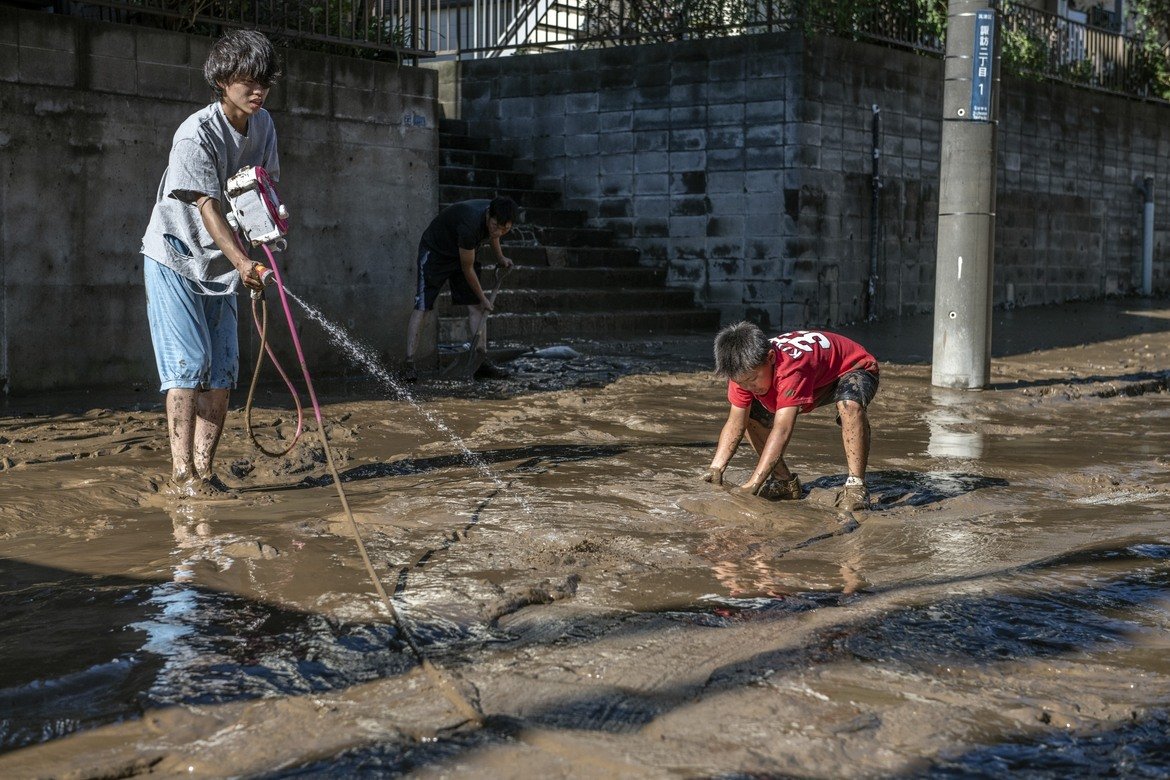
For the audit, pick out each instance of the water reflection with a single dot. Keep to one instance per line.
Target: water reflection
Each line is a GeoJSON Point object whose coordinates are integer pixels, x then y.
{"type": "Point", "coordinates": [217, 646]}
{"type": "Point", "coordinates": [174, 605]}
{"type": "Point", "coordinates": [954, 425]}
{"type": "Point", "coordinates": [752, 576]}
{"type": "Point", "coordinates": [71, 656]}
{"type": "Point", "coordinates": [754, 570]}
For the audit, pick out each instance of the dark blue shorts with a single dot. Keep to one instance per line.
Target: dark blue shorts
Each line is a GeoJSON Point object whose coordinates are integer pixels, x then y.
{"type": "Point", "coordinates": [435, 270]}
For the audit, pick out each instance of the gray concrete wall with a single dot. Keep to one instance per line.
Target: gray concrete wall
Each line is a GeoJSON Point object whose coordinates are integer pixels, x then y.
{"type": "Point", "coordinates": [744, 165]}
{"type": "Point", "coordinates": [87, 112]}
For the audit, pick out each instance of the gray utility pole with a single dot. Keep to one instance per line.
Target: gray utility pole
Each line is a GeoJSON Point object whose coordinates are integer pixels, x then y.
{"type": "Point", "coordinates": [965, 254]}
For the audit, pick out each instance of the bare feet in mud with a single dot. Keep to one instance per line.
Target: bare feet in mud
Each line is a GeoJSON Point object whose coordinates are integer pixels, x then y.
{"type": "Point", "coordinates": [199, 489]}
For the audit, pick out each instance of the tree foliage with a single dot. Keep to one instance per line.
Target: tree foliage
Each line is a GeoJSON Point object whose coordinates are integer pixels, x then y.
{"type": "Point", "coordinates": [1152, 25]}
{"type": "Point", "coordinates": [1033, 44]}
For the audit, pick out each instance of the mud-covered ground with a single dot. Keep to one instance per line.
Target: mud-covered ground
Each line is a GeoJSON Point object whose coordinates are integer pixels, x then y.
{"type": "Point", "coordinates": [1005, 608]}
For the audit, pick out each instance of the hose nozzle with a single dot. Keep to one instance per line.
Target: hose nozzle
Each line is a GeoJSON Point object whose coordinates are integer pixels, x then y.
{"type": "Point", "coordinates": [267, 277]}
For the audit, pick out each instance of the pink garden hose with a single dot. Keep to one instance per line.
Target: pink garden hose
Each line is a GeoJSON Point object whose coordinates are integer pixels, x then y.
{"type": "Point", "coordinates": [442, 681]}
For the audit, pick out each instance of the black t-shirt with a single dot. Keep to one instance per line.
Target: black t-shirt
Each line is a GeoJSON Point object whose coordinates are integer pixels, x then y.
{"type": "Point", "coordinates": [461, 225]}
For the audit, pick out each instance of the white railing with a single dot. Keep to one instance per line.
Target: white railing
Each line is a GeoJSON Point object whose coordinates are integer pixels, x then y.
{"type": "Point", "coordinates": [474, 29]}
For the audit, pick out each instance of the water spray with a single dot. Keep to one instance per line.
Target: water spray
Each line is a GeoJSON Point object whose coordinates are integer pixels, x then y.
{"type": "Point", "coordinates": [256, 213]}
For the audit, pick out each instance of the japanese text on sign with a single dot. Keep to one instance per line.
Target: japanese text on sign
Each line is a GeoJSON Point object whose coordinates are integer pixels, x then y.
{"type": "Point", "coordinates": [981, 65]}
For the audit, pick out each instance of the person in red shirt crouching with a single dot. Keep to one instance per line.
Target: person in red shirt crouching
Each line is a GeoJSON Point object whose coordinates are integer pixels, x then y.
{"type": "Point", "coordinates": [770, 382]}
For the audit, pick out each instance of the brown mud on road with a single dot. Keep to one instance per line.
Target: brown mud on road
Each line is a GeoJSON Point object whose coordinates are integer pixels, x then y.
{"type": "Point", "coordinates": [1005, 607]}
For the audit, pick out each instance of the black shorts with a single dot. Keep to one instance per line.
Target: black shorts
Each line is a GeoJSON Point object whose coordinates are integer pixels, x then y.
{"type": "Point", "coordinates": [435, 270]}
{"type": "Point", "coordinates": [859, 386]}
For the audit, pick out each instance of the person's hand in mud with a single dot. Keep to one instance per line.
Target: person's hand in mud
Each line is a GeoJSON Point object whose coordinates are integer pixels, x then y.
{"type": "Point", "coordinates": [713, 475]}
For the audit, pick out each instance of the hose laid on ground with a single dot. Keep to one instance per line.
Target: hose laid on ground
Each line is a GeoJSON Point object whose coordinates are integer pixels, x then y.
{"type": "Point", "coordinates": [445, 685]}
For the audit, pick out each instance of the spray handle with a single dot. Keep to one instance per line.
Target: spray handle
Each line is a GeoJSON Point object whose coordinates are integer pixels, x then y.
{"type": "Point", "coordinates": [267, 277]}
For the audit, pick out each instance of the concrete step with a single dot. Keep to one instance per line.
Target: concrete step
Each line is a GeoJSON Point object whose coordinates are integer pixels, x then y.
{"type": "Point", "coordinates": [454, 126]}
{"type": "Point", "coordinates": [575, 257]}
{"type": "Point", "coordinates": [570, 279]}
{"type": "Point", "coordinates": [566, 300]}
{"type": "Point", "coordinates": [579, 238]}
{"type": "Point", "coordinates": [469, 143]}
{"type": "Point", "coordinates": [572, 218]}
{"type": "Point", "coordinates": [452, 193]}
{"type": "Point", "coordinates": [465, 158]}
{"type": "Point", "coordinates": [648, 280]}
{"type": "Point", "coordinates": [534, 218]}
{"type": "Point", "coordinates": [485, 177]}
{"type": "Point", "coordinates": [543, 327]}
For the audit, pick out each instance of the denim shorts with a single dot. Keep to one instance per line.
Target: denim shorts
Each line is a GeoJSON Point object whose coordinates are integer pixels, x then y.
{"type": "Point", "coordinates": [194, 335]}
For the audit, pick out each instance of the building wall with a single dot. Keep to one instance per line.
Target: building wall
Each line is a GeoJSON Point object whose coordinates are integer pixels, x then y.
{"type": "Point", "coordinates": [745, 166]}
{"type": "Point", "coordinates": [87, 113]}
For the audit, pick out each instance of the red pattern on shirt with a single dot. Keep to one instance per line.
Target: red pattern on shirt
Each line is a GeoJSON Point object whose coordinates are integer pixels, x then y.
{"type": "Point", "coordinates": [807, 362]}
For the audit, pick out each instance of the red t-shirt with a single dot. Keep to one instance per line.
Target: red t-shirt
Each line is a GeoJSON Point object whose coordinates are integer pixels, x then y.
{"type": "Point", "coordinates": [807, 363]}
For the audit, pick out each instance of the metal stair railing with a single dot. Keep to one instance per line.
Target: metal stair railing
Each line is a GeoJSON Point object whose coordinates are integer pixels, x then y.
{"type": "Point", "coordinates": [478, 29]}
{"type": "Point", "coordinates": [385, 27]}
{"type": "Point", "coordinates": [529, 25]}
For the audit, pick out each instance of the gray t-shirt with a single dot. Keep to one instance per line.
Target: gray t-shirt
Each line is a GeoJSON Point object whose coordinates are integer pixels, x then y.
{"type": "Point", "coordinates": [205, 153]}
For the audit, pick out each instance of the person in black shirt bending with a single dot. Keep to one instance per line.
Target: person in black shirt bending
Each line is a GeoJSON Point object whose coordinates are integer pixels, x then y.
{"type": "Point", "coordinates": [446, 253]}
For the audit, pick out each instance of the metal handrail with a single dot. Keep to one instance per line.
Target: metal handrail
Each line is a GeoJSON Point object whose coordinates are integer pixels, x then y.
{"type": "Point", "coordinates": [1035, 43]}
{"type": "Point", "coordinates": [603, 23]}
{"type": "Point", "coordinates": [379, 27]}
{"type": "Point", "coordinates": [1049, 46]}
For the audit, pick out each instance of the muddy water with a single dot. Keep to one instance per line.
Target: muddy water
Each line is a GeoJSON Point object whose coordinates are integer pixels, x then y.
{"type": "Point", "coordinates": [1005, 607]}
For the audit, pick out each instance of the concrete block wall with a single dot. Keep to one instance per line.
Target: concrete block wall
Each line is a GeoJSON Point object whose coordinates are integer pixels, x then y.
{"type": "Point", "coordinates": [744, 166]}
{"type": "Point", "coordinates": [1069, 214]}
{"type": "Point", "coordinates": [686, 150]}
{"type": "Point", "coordinates": [833, 209]}
{"type": "Point", "coordinates": [87, 113]}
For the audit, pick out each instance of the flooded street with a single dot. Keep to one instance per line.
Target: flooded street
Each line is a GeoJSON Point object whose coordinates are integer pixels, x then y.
{"type": "Point", "coordinates": [1005, 607]}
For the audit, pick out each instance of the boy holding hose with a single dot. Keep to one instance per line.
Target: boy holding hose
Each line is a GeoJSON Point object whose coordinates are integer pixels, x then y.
{"type": "Point", "coordinates": [190, 293]}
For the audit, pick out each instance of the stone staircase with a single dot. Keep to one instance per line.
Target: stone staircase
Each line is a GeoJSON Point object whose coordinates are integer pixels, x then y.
{"type": "Point", "coordinates": [572, 281]}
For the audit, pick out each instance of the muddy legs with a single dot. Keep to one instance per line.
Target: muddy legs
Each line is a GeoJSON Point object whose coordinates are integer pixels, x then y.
{"type": "Point", "coordinates": [210, 413]}
{"type": "Point", "coordinates": [194, 423]}
{"type": "Point", "coordinates": [475, 321]}
{"type": "Point", "coordinates": [181, 404]}
{"type": "Point", "coordinates": [854, 436]}
{"type": "Point", "coordinates": [413, 328]}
